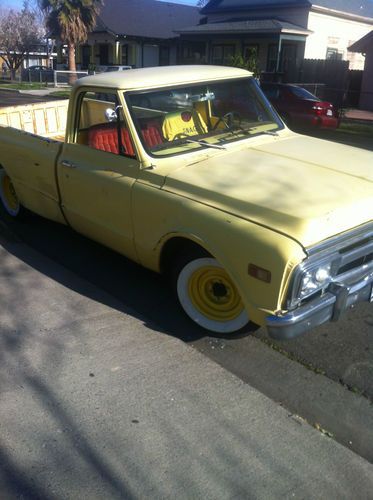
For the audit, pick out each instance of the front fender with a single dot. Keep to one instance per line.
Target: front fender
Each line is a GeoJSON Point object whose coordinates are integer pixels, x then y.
{"type": "Point", "coordinates": [160, 216]}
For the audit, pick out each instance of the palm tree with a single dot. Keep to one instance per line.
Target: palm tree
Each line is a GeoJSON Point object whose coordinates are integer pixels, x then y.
{"type": "Point", "coordinates": [71, 20]}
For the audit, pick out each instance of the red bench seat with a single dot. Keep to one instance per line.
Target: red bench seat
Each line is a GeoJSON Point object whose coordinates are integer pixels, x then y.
{"type": "Point", "coordinates": [105, 137]}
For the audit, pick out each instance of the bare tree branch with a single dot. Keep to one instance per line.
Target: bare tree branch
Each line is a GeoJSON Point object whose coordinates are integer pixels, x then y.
{"type": "Point", "coordinates": [20, 32]}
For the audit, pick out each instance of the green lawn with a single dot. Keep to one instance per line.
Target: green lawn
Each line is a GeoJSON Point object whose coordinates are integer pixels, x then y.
{"type": "Point", "coordinates": [23, 86]}
{"type": "Point", "coordinates": [356, 128]}
{"type": "Point", "coordinates": [60, 93]}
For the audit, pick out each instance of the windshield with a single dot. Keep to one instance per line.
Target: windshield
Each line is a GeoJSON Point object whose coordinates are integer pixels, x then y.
{"type": "Point", "coordinates": [206, 115]}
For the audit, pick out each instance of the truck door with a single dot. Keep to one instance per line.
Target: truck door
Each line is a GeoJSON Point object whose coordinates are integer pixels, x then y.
{"type": "Point", "coordinates": [96, 171]}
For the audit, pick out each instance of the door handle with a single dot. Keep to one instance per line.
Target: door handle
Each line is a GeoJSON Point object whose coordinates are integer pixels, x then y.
{"type": "Point", "coordinates": [68, 164]}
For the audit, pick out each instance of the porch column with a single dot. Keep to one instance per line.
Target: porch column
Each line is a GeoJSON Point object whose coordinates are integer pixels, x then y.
{"type": "Point", "coordinates": [116, 54]}
{"type": "Point", "coordinates": [279, 54]}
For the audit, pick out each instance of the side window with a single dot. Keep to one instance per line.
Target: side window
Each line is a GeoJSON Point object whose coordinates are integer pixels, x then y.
{"type": "Point", "coordinates": [272, 93]}
{"type": "Point", "coordinates": [96, 131]}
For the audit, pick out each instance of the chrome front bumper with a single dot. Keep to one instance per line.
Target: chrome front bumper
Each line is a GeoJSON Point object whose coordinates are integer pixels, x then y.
{"type": "Point", "coordinates": [337, 299]}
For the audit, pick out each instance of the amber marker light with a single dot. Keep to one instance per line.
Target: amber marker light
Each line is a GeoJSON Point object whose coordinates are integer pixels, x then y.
{"type": "Point", "coordinates": [259, 273]}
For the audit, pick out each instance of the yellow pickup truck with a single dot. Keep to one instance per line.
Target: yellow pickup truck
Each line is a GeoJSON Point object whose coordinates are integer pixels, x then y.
{"type": "Point", "coordinates": [189, 171]}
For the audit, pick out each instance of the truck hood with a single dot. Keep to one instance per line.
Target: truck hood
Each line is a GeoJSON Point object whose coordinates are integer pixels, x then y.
{"type": "Point", "coordinates": [306, 188]}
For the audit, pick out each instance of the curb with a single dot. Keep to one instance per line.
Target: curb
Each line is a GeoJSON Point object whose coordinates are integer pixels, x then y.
{"type": "Point", "coordinates": [17, 91]}
{"type": "Point", "coordinates": [31, 92]}
{"type": "Point", "coordinates": [359, 121]}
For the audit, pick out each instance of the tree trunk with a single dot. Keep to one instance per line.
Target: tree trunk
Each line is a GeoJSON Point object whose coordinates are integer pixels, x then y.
{"type": "Point", "coordinates": [71, 57]}
{"type": "Point", "coordinates": [71, 62]}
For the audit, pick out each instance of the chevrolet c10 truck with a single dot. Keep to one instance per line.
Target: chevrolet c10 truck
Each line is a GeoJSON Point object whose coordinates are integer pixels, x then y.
{"type": "Point", "coordinates": [190, 172]}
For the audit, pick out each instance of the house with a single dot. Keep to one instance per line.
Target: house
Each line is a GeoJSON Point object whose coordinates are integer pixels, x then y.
{"type": "Point", "coordinates": [138, 33]}
{"type": "Point", "coordinates": [364, 46]}
{"type": "Point", "coordinates": [282, 32]}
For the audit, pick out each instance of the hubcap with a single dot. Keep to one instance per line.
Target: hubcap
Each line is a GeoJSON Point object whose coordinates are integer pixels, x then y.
{"type": "Point", "coordinates": [213, 293]}
{"type": "Point", "coordinates": [9, 194]}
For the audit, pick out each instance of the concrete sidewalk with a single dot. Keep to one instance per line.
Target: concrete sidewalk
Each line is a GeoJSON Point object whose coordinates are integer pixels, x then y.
{"type": "Point", "coordinates": [96, 403]}
{"type": "Point", "coordinates": [358, 115]}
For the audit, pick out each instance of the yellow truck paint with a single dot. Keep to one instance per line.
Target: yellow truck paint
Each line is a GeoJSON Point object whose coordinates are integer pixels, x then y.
{"type": "Point", "coordinates": [302, 199]}
{"type": "Point", "coordinates": [249, 192]}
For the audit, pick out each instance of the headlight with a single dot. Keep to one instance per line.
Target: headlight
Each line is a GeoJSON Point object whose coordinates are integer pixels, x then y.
{"type": "Point", "coordinates": [310, 278]}
{"type": "Point", "coordinates": [314, 280]}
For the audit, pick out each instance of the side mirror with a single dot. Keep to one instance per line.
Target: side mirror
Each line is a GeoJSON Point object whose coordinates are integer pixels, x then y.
{"type": "Point", "coordinates": [111, 115]}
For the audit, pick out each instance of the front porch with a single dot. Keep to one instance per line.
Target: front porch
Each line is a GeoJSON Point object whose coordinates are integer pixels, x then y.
{"type": "Point", "coordinates": [279, 46]}
{"type": "Point", "coordinates": [98, 53]}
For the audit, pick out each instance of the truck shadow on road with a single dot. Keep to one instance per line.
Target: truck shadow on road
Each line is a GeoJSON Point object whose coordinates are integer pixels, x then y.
{"type": "Point", "coordinates": [118, 282]}
{"type": "Point", "coordinates": [49, 443]}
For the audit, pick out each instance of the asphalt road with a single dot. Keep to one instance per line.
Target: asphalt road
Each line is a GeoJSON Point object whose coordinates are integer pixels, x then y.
{"type": "Point", "coordinates": [332, 365]}
{"type": "Point", "coordinates": [9, 98]}
{"type": "Point", "coordinates": [97, 403]}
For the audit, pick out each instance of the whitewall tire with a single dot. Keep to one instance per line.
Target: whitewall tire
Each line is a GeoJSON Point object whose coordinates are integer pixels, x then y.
{"type": "Point", "coordinates": [209, 297]}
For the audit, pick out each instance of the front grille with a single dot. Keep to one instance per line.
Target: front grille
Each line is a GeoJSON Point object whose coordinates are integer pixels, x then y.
{"type": "Point", "coordinates": [356, 263]}
{"type": "Point", "coordinates": [355, 256]}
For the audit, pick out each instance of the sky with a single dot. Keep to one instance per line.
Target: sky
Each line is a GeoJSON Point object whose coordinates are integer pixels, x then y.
{"type": "Point", "coordinates": [16, 4]}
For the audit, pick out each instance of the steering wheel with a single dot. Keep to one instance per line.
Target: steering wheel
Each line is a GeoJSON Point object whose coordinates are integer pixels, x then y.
{"type": "Point", "coordinates": [228, 119]}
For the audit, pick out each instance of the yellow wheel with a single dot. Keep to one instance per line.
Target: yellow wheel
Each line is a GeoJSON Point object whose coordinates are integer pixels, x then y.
{"type": "Point", "coordinates": [8, 196]}
{"type": "Point", "coordinates": [209, 297]}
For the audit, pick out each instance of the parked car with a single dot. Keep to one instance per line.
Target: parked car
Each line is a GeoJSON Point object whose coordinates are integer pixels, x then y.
{"type": "Point", "coordinates": [116, 68]}
{"type": "Point", "coordinates": [299, 108]}
{"type": "Point", "coordinates": [37, 73]}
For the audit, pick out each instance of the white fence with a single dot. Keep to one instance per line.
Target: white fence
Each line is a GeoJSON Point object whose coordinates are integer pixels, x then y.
{"type": "Point", "coordinates": [66, 78]}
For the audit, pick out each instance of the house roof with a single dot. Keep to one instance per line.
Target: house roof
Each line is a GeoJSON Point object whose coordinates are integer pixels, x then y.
{"type": "Point", "coordinates": [145, 18]}
{"type": "Point", "coordinates": [248, 26]}
{"type": "Point", "coordinates": [234, 5]}
{"type": "Point", "coordinates": [363, 44]}
{"type": "Point", "coordinates": [363, 8]}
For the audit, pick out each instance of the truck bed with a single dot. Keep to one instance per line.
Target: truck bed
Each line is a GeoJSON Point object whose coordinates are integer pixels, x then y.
{"type": "Point", "coordinates": [46, 119]}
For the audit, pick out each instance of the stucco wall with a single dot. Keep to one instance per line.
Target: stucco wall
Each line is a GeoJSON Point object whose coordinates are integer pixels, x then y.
{"type": "Point", "coordinates": [366, 96]}
{"type": "Point", "coordinates": [336, 33]}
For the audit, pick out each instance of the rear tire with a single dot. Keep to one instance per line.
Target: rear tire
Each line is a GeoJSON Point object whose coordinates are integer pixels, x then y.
{"type": "Point", "coordinates": [209, 297]}
{"type": "Point", "coordinates": [10, 203]}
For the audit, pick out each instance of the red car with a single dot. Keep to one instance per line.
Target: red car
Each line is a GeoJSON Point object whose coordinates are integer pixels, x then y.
{"type": "Point", "coordinates": [300, 108]}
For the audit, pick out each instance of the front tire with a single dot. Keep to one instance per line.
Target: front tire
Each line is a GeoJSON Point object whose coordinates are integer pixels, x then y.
{"type": "Point", "coordinates": [8, 197]}
{"type": "Point", "coordinates": [209, 297]}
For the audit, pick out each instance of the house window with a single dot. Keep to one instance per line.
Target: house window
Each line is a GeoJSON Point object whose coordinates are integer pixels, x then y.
{"type": "Point", "coordinates": [272, 57]}
{"type": "Point", "coordinates": [125, 55]}
{"type": "Point", "coordinates": [333, 53]}
{"type": "Point", "coordinates": [288, 56]}
{"type": "Point", "coordinates": [164, 55]}
{"type": "Point", "coordinates": [191, 52]}
{"type": "Point", "coordinates": [103, 54]}
{"type": "Point", "coordinates": [222, 54]}
{"type": "Point", "coordinates": [86, 56]}
{"type": "Point", "coordinates": [251, 50]}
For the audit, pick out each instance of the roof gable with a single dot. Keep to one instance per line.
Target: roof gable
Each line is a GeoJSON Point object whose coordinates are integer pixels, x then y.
{"type": "Point", "coordinates": [364, 44]}
{"type": "Point", "coordinates": [145, 18]}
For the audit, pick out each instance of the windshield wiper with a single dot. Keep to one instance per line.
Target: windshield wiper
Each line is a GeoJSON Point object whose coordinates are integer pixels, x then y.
{"type": "Point", "coordinates": [247, 131]}
{"type": "Point", "coordinates": [269, 132]}
{"type": "Point", "coordinates": [204, 143]}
